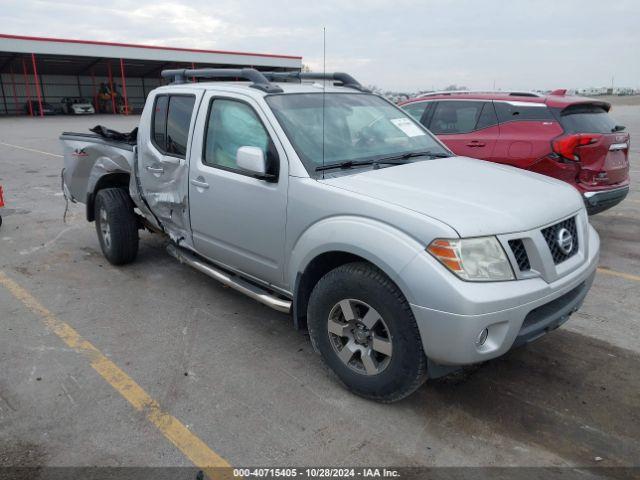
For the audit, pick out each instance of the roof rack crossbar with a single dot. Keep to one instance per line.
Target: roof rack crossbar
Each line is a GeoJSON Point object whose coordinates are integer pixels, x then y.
{"type": "Point", "coordinates": [345, 79]}
{"type": "Point", "coordinates": [259, 81]}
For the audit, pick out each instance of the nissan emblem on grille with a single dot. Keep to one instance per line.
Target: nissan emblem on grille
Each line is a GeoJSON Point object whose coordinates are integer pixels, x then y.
{"type": "Point", "coordinates": [564, 240]}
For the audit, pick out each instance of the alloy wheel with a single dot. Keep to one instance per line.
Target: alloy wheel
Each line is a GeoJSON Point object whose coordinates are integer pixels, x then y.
{"type": "Point", "coordinates": [359, 336]}
{"type": "Point", "coordinates": [105, 229]}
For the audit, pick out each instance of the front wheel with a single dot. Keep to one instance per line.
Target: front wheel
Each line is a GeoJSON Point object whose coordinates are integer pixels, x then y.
{"type": "Point", "coordinates": [365, 332]}
{"type": "Point", "coordinates": [116, 225]}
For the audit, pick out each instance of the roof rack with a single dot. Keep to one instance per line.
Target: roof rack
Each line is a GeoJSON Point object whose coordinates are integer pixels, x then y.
{"type": "Point", "coordinates": [475, 92]}
{"type": "Point", "coordinates": [345, 79]}
{"type": "Point", "coordinates": [260, 82]}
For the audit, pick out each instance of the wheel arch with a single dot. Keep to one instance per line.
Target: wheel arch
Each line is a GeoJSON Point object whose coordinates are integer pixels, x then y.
{"type": "Point", "coordinates": [352, 239]}
{"type": "Point", "coordinates": [110, 180]}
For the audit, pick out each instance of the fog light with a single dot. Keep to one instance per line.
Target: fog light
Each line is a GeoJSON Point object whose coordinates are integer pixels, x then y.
{"type": "Point", "coordinates": [482, 337]}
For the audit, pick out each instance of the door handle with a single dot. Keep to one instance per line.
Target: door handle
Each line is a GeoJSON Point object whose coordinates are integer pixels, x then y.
{"type": "Point", "coordinates": [475, 143]}
{"type": "Point", "coordinates": [170, 161]}
{"type": "Point", "coordinates": [155, 169]}
{"type": "Point", "coordinates": [199, 184]}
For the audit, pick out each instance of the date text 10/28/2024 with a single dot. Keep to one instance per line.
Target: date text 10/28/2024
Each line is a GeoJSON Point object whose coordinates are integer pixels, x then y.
{"type": "Point", "coordinates": [316, 472]}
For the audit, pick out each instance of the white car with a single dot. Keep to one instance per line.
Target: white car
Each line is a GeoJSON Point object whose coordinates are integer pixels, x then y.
{"type": "Point", "coordinates": [77, 106]}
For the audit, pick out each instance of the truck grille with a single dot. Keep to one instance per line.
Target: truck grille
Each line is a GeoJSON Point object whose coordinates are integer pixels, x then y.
{"type": "Point", "coordinates": [519, 252]}
{"type": "Point", "coordinates": [550, 235]}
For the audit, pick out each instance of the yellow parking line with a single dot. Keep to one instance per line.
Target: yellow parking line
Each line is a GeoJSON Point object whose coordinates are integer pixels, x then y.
{"type": "Point", "coordinates": [31, 150]}
{"type": "Point", "coordinates": [627, 276]}
{"type": "Point", "coordinates": [188, 443]}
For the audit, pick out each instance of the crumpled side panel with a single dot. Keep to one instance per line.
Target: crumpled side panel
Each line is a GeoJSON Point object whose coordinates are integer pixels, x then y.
{"type": "Point", "coordinates": [163, 180]}
{"type": "Point", "coordinates": [167, 197]}
{"type": "Point", "coordinates": [87, 159]}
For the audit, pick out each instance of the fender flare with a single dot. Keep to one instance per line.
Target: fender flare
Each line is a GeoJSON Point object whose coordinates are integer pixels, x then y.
{"type": "Point", "coordinates": [109, 172]}
{"type": "Point", "coordinates": [384, 246]}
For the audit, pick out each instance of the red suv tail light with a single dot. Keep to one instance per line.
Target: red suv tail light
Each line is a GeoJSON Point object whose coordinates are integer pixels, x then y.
{"type": "Point", "coordinates": [565, 146]}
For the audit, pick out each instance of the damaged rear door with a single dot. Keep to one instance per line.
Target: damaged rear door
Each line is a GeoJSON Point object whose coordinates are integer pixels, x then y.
{"type": "Point", "coordinates": [164, 144]}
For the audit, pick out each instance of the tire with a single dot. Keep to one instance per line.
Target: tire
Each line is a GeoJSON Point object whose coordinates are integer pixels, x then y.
{"type": "Point", "coordinates": [116, 225]}
{"type": "Point", "coordinates": [367, 293]}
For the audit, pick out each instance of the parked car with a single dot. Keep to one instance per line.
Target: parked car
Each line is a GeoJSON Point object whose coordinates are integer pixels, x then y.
{"type": "Point", "coordinates": [33, 106]}
{"type": "Point", "coordinates": [76, 106]}
{"type": "Point", "coordinates": [566, 137]}
{"type": "Point", "coordinates": [332, 204]}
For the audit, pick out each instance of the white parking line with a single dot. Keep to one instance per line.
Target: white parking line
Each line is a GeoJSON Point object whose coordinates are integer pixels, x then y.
{"type": "Point", "coordinates": [30, 150]}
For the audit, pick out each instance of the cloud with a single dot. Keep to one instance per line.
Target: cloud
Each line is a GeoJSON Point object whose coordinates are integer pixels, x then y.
{"type": "Point", "coordinates": [401, 45]}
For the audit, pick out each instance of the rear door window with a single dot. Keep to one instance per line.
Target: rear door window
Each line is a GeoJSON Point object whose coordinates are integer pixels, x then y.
{"type": "Point", "coordinates": [171, 121]}
{"type": "Point", "coordinates": [522, 112]}
{"type": "Point", "coordinates": [586, 119]}
{"type": "Point", "coordinates": [455, 116]}
{"type": "Point", "coordinates": [178, 121]}
{"type": "Point", "coordinates": [487, 117]}
{"type": "Point", "coordinates": [159, 133]}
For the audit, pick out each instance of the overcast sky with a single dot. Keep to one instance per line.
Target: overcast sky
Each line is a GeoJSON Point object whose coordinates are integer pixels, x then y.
{"type": "Point", "coordinates": [401, 44]}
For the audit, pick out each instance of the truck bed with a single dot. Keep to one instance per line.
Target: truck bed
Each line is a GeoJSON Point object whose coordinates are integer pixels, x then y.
{"type": "Point", "coordinates": [88, 157]}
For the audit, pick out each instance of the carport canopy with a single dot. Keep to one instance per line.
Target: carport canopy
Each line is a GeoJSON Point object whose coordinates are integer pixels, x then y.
{"type": "Point", "coordinates": [25, 60]}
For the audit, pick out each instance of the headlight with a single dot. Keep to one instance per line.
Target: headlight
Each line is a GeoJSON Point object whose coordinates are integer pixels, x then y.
{"type": "Point", "coordinates": [475, 259]}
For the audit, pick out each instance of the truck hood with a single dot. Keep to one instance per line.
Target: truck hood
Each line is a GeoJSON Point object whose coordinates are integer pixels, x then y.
{"type": "Point", "coordinates": [474, 197]}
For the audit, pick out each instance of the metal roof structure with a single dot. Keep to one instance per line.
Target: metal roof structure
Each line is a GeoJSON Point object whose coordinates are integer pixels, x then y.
{"type": "Point", "coordinates": [51, 69]}
{"type": "Point", "coordinates": [58, 56]}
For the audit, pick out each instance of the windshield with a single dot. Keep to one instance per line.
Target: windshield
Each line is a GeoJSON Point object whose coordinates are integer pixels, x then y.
{"type": "Point", "coordinates": [357, 127]}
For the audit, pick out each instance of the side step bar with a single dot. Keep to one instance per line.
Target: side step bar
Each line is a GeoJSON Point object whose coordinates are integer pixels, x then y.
{"type": "Point", "coordinates": [232, 281]}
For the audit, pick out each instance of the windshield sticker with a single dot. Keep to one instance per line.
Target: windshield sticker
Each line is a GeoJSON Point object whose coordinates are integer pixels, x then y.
{"type": "Point", "coordinates": [409, 128]}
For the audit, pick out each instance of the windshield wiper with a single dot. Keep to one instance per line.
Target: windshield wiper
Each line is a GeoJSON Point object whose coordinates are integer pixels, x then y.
{"type": "Point", "coordinates": [391, 160]}
{"type": "Point", "coordinates": [407, 156]}
{"type": "Point", "coordinates": [356, 163]}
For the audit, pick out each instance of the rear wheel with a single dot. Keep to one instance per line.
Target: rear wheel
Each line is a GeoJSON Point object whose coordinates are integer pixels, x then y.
{"type": "Point", "coordinates": [116, 225]}
{"type": "Point", "coordinates": [365, 331]}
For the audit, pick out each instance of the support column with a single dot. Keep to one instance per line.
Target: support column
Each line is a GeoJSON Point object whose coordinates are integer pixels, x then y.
{"type": "Point", "coordinates": [15, 95]}
{"type": "Point", "coordinates": [113, 98]}
{"type": "Point", "coordinates": [35, 78]}
{"type": "Point", "coordinates": [124, 88]}
{"type": "Point", "coordinates": [26, 86]}
{"type": "Point", "coordinates": [4, 97]}
{"type": "Point", "coordinates": [95, 95]}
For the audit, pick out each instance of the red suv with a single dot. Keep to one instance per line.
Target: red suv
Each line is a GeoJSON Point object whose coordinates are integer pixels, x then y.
{"type": "Point", "coordinates": [570, 138]}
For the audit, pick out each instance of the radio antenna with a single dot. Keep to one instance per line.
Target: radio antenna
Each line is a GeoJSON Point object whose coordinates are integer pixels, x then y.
{"type": "Point", "coordinates": [324, 85]}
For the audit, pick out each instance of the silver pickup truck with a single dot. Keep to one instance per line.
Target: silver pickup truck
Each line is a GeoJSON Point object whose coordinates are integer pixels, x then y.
{"type": "Point", "coordinates": [317, 198]}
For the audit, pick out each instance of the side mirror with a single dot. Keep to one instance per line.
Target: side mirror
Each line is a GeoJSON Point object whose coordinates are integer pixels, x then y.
{"type": "Point", "coordinates": [252, 160]}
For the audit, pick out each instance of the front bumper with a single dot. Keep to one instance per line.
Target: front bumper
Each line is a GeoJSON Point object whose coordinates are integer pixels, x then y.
{"type": "Point", "coordinates": [599, 201]}
{"type": "Point", "coordinates": [536, 307]}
